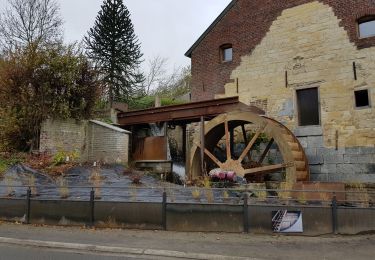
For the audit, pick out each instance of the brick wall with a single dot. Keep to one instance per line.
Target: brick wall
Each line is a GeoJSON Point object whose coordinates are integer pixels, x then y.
{"type": "Point", "coordinates": [245, 25]}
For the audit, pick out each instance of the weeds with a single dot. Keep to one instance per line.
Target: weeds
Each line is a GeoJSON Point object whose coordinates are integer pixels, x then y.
{"type": "Point", "coordinates": [63, 188]}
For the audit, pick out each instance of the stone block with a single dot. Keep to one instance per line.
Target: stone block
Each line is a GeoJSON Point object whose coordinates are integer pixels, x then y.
{"type": "Point", "coordinates": [315, 169]}
{"type": "Point", "coordinates": [352, 168]}
{"type": "Point", "coordinates": [308, 131]}
{"type": "Point", "coordinates": [315, 160]}
{"type": "Point", "coordinates": [330, 151]}
{"type": "Point", "coordinates": [319, 177]}
{"type": "Point", "coordinates": [333, 158]}
{"type": "Point", "coordinates": [329, 168]}
{"type": "Point", "coordinates": [303, 141]}
{"type": "Point", "coordinates": [310, 152]}
{"type": "Point", "coordinates": [359, 158]}
{"type": "Point", "coordinates": [315, 141]}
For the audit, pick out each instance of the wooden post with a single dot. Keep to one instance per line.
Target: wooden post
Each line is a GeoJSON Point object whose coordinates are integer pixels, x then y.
{"type": "Point", "coordinates": [166, 140]}
{"type": "Point", "coordinates": [184, 142]}
{"type": "Point", "coordinates": [203, 146]}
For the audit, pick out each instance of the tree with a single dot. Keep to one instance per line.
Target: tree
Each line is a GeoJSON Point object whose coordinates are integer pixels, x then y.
{"type": "Point", "coordinates": [156, 73]}
{"type": "Point", "coordinates": [30, 22]}
{"type": "Point", "coordinates": [113, 46]}
{"type": "Point", "coordinates": [57, 82]}
{"type": "Point", "coordinates": [178, 83]}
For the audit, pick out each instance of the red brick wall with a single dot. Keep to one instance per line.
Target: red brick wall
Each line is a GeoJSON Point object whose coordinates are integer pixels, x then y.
{"type": "Point", "coordinates": [245, 25]}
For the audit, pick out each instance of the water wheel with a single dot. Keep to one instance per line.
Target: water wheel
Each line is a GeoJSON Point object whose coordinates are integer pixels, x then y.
{"type": "Point", "coordinates": [219, 135]}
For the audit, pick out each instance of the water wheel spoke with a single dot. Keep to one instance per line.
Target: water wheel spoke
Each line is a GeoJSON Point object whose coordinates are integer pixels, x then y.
{"type": "Point", "coordinates": [227, 140]}
{"type": "Point", "coordinates": [211, 156]}
{"type": "Point", "coordinates": [268, 168]}
{"type": "Point", "coordinates": [245, 139]}
{"type": "Point", "coordinates": [250, 144]}
{"type": "Point", "coordinates": [268, 147]}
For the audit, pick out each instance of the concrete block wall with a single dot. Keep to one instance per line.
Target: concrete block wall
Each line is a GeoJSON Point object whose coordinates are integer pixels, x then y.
{"type": "Point", "coordinates": [93, 140]}
{"type": "Point", "coordinates": [63, 135]}
{"type": "Point", "coordinates": [107, 143]}
{"type": "Point", "coordinates": [354, 164]}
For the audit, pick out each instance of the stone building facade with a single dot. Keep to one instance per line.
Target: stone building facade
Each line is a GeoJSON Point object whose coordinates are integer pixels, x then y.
{"type": "Point", "coordinates": [308, 64]}
{"type": "Point", "coordinates": [94, 141]}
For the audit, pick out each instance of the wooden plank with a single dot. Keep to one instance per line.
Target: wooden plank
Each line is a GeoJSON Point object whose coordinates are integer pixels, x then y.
{"type": "Point", "coordinates": [185, 113]}
{"type": "Point", "coordinates": [227, 140]}
{"type": "Point", "coordinates": [202, 145]}
{"type": "Point", "coordinates": [212, 157]}
{"type": "Point", "coordinates": [250, 144]}
{"type": "Point", "coordinates": [265, 169]}
{"type": "Point", "coordinates": [261, 159]}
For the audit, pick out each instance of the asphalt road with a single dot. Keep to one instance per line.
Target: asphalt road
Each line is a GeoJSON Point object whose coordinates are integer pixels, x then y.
{"type": "Point", "coordinates": [19, 253]}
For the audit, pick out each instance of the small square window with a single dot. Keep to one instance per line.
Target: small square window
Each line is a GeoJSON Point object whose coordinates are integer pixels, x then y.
{"type": "Point", "coordinates": [362, 98]}
{"type": "Point", "coordinates": [367, 28]}
{"type": "Point", "coordinates": [228, 54]}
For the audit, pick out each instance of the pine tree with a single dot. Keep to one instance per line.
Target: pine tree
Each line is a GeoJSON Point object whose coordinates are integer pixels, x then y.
{"type": "Point", "coordinates": [114, 47]}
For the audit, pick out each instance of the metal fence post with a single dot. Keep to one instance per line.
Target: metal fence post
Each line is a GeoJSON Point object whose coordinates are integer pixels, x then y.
{"type": "Point", "coordinates": [28, 205]}
{"type": "Point", "coordinates": [92, 205]}
{"type": "Point", "coordinates": [164, 211]}
{"type": "Point", "coordinates": [334, 214]}
{"type": "Point", "coordinates": [246, 213]}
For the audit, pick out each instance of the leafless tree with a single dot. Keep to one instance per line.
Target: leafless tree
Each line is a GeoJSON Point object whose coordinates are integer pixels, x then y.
{"type": "Point", "coordinates": [156, 73]}
{"type": "Point", "coordinates": [30, 22]}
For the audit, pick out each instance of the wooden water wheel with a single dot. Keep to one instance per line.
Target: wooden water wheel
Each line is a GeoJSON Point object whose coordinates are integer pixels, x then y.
{"type": "Point", "coordinates": [219, 148]}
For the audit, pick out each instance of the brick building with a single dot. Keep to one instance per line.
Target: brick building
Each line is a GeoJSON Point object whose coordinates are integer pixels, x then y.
{"type": "Point", "coordinates": [308, 64]}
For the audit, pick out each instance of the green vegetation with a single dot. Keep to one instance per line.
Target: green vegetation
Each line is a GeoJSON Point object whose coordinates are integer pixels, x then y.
{"type": "Point", "coordinates": [149, 102]}
{"type": "Point", "coordinates": [8, 160]}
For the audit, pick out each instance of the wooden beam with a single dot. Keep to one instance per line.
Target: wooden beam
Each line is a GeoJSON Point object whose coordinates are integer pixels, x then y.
{"type": "Point", "coordinates": [227, 140]}
{"type": "Point", "coordinates": [212, 157]}
{"type": "Point", "coordinates": [184, 113]}
{"type": "Point", "coordinates": [202, 145]}
{"type": "Point", "coordinates": [250, 145]}
{"type": "Point", "coordinates": [265, 169]}
{"type": "Point", "coordinates": [261, 159]}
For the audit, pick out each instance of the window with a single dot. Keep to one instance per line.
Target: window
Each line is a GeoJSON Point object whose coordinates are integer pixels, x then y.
{"type": "Point", "coordinates": [226, 53]}
{"type": "Point", "coordinates": [362, 99]}
{"type": "Point", "coordinates": [366, 27]}
{"type": "Point", "coordinates": [308, 107]}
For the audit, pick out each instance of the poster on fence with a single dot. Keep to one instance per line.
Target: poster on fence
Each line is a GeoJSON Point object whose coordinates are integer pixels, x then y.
{"type": "Point", "coordinates": [284, 221]}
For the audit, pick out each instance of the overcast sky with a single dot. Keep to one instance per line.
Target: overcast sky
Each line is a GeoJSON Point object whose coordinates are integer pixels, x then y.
{"type": "Point", "coordinates": [164, 27]}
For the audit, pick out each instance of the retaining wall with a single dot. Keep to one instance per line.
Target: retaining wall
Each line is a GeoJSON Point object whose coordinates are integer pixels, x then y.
{"type": "Point", "coordinates": [317, 220]}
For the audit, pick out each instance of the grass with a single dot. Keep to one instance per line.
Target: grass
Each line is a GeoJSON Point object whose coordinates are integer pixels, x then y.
{"type": "Point", "coordinates": [8, 160]}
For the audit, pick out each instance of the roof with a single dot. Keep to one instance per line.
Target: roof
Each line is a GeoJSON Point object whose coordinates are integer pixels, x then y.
{"type": "Point", "coordinates": [208, 30]}
{"type": "Point", "coordinates": [185, 113]}
{"type": "Point", "coordinates": [112, 127]}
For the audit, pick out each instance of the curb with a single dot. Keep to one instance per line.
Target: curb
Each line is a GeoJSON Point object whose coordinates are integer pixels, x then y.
{"type": "Point", "coordinates": [118, 250]}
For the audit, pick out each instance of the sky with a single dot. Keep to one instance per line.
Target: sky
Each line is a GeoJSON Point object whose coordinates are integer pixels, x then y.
{"type": "Point", "coordinates": [165, 28]}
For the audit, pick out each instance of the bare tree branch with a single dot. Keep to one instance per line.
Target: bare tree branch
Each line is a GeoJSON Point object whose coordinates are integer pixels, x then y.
{"type": "Point", "coordinates": [30, 22]}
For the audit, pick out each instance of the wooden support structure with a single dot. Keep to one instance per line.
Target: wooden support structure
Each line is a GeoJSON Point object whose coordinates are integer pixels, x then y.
{"type": "Point", "coordinates": [202, 145]}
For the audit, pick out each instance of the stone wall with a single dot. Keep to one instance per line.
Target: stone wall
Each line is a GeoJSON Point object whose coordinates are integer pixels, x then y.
{"type": "Point", "coordinates": [309, 43]}
{"type": "Point", "coordinates": [64, 135]}
{"type": "Point", "coordinates": [93, 140]}
{"type": "Point", "coordinates": [245, 24]}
